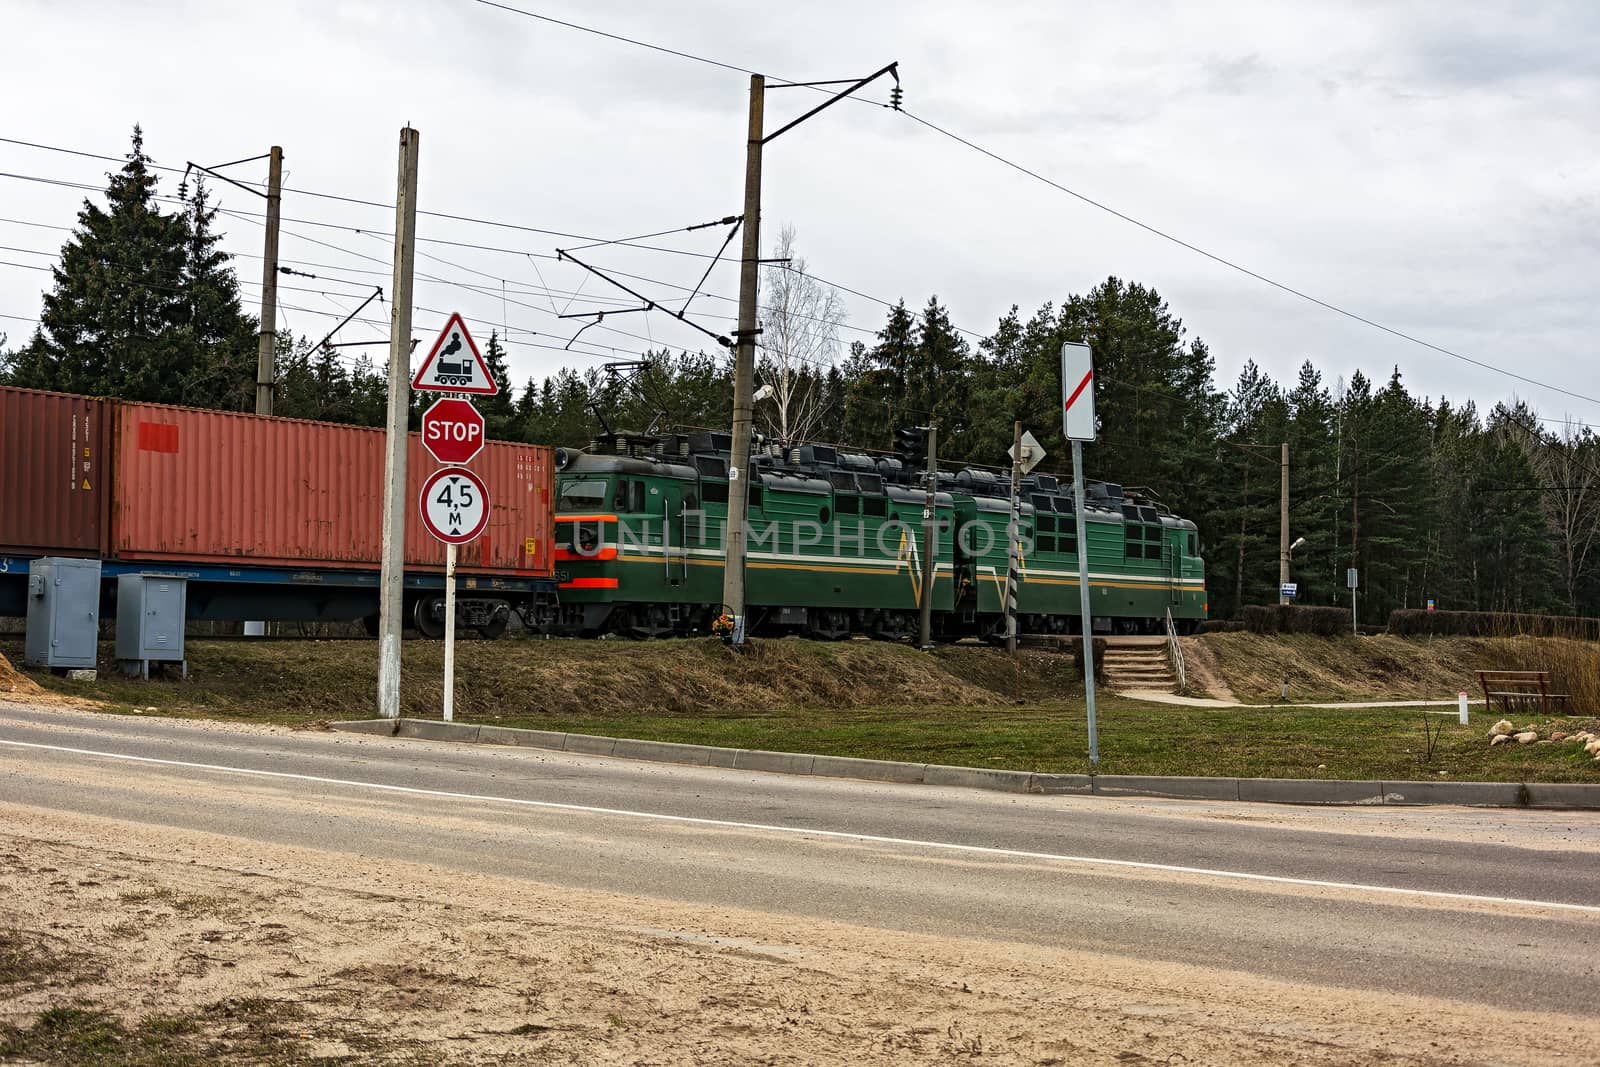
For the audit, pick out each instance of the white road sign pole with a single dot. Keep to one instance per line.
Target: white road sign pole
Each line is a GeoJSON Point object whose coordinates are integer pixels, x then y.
{"type": "Point", "coordinates": [449, 633]}
{"type": "Point", "coordinates": [1083, 603]}
{"type": "Point", "coordinates": [1077, 412]}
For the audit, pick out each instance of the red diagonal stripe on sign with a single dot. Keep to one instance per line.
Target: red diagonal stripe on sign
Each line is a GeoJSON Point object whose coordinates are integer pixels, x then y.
{"type": "Point", "coordinates": [1076, 393]}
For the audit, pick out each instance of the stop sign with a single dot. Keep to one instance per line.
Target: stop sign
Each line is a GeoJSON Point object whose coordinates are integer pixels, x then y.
{"type": "Point", "coordinates": [452, 430]}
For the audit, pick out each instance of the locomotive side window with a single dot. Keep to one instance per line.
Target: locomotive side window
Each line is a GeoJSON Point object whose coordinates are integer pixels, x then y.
{"type": "Point", "coordinates": [875, 505]}
{"type": "Point", "coordinates": [638, 497]}
{"type": "Point", "coordinates": [1142, 542]}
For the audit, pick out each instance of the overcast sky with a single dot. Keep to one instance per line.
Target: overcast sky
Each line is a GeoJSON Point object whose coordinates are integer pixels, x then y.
{"type": "Point", "coordinates": [1431, 166]}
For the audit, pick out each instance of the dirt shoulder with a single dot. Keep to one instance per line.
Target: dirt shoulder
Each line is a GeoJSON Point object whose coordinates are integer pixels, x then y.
{"type": "Point", "coordinates": [169, 947]}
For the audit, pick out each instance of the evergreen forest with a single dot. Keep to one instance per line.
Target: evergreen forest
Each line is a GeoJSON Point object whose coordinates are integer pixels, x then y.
{"type": "Point", "coordinates": [1429, 498]}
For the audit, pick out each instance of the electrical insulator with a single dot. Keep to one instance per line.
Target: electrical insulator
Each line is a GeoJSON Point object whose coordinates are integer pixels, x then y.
{"type": "Point", "coordinates": [894, 98]}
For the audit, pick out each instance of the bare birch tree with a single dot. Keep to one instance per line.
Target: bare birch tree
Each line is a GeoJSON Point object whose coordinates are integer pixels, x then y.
{"type": "Point", "coordinates": [799, 340]}
{"type": "Point", "coordinates": [1565, 461]}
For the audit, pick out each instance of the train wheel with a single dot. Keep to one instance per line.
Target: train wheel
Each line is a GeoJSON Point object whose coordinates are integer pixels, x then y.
{"type": "Point", "coordinates": [494, 630]}
{"type": "Point", "coordinates": [425, 618]}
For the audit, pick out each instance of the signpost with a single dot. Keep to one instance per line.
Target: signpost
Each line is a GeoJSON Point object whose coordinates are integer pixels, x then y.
{"type": "Point", "coordinates": [1351, 578]}
{"type": "Point", "coordinates": [455, 509]}
{"type": "Point", "coordinates": [454, 501]}
{"type": "Point", "coordinates": [454, 365]}
{"type": "Point", "coordinates": [1077, 413]}
{"type": "Point", "coordinates": [1025, 453]}
{"type": "Point", "coordinates": [452, 430]}
{"type": "Point", "coordinates": [1289, 590]}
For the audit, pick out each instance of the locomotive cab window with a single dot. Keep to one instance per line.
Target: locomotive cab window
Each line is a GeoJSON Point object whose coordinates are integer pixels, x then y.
{"type": "Point", "coordinates": [584, 495]}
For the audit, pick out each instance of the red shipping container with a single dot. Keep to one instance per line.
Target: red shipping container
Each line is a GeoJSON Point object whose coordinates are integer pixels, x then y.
{"type": "Point", "coordinates": [55, 473]}
{"type": "Point", "coordinates": [219, 487]}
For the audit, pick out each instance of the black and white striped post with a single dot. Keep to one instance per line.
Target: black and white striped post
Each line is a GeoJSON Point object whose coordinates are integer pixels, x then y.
{"type": "Point", "coordinates": [1013, 540]}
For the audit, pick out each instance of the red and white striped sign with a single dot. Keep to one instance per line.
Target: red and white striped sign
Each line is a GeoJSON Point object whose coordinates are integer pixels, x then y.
{"type": "Point", "coordinates": [1077, 391]}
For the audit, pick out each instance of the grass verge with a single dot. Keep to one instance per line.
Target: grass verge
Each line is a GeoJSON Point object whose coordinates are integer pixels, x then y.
{"type": "Point", "coordinates": [967, 706]}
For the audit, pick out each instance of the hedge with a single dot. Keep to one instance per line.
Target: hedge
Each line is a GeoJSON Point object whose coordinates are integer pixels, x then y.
{"type": "Point", "coordinates": [1296, 619]}
{"type": "Point", "coordinates": [1219, 626]}
{"type": "Point", "coordinates": [1411, 622]}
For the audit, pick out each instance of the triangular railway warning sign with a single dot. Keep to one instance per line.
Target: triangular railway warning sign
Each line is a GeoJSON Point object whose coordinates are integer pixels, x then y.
{"type": "Point", "coordinates": [454, 364]}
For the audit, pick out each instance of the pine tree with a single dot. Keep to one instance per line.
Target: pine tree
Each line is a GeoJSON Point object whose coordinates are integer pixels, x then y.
{"type": "Point", "coordinates": [106, 326]}
{"type": "Point", "coordinates": [1312, 489]}
{"type": "Point", "coordinates": [217, 339]}
{"type": "Point", "coordinates": [939, 377]}
{"type": "Point", "coordinates": [499, 410]}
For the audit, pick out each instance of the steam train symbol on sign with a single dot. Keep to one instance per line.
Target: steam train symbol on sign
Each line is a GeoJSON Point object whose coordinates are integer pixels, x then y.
{"type": "Point", "coordinates": [457, 372]}
{"type": "Point", "coordinates": [454, 364]}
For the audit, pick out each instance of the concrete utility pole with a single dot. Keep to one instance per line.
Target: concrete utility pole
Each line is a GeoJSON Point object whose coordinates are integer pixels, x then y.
{"type": "Point", "coordinates": [930, 533]}
{"type": "Point", "coordinates": [391, 612]}
{"type": "Point", "coordinates": [267, 343]}
{"type": "Point", "coordinates": [744, 360]}
{"type": "Point", "coordinates": [1013, 539]}
{"type": "Point", "coordinates": [1283, 526]}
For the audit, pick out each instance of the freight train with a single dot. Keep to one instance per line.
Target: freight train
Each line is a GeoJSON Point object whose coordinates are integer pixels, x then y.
{"type": "Point", "coordinates": [267, 519]}
{"type": "Point", "coordinates": [835, 540]}
{"type": "Point", "coordinates": [279, 519]}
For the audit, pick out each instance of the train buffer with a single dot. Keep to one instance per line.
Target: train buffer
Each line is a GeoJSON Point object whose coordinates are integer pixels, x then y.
{"type": "Point", "coordinates": [1518, 688]}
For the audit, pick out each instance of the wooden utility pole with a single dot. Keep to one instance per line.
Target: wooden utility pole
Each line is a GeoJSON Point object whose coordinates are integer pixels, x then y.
{"type": "Point", "coordinates": [930, 535]}
{"type": "Point", "coordinates": [391, 613]}
{"type": "Point", "coordinates": [739, 470]}
{"type": "Point", "coordinates": [1283, 526]}
{"type": "Point", "coordinates": [267, 343]}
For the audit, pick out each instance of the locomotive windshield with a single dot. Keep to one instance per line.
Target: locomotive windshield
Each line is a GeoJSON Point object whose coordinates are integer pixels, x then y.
{"type": "Point", "coordinates": [582, 495]}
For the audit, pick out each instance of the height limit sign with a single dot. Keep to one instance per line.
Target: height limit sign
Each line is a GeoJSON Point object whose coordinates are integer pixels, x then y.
{"type": "Point", "coordinates": [455, 505]}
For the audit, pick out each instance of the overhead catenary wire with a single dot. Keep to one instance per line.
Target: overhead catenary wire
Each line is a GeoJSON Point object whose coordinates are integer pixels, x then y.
{"type": "Point", "coordinates": [1400, 334]}
{"type": "Point", "coordinates": [1091, 201]}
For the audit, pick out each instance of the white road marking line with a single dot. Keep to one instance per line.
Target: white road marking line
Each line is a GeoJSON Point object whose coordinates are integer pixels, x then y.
{"type": "Point", "coordinates": [840, 835]}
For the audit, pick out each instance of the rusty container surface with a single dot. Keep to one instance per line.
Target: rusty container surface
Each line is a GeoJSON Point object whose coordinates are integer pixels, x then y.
{"type": "Point", "coordinates": [55, 488]}
{"type": "Point", "coordinates": [225, 488]}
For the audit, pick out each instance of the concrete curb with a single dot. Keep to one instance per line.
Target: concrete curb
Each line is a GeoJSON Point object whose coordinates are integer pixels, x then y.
{"type": "Point", "coordinates": [1255, 790]}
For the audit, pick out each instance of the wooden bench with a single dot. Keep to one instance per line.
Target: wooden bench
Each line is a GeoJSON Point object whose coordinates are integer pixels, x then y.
{"type": "Point", "coordinates": [1519, 687]}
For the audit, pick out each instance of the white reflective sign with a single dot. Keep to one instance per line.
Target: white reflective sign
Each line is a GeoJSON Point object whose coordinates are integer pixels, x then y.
{"type": "Point", "coordinates": [1077, 391]}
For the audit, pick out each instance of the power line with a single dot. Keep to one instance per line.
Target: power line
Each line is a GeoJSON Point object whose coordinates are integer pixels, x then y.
{"type": "Point", "coordinates": [618, 37]}
{"type": "Point", "coordinates": [1125, 217]}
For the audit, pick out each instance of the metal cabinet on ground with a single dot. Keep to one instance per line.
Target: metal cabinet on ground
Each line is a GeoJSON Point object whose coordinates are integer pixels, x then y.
{"type": "Point", "coordinates": [150, 614]}
{"type": "Point", "coordinates": [63, 613]}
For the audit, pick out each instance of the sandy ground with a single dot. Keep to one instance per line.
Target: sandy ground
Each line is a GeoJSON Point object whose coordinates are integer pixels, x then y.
{"type": "Point", "coordinates": [394, 962]}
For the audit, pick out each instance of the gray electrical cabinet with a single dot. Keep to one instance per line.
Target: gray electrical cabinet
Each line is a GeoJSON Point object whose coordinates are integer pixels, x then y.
{"type": "Point", "coordinates": [150, 614]}
{"type": "Point", "coordinates": [63, 613]}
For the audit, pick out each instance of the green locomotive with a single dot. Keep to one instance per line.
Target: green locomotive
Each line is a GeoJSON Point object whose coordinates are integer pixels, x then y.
{"type": "Point", "coordinates": [835, 543]}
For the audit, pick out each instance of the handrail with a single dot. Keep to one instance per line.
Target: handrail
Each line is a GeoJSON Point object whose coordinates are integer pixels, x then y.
{"type": "Point", "coordinates": [1175, 653]}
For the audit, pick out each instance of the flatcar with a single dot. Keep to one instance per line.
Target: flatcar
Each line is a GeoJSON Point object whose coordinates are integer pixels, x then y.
{"type": "Point", "coordinates": [834, 544]}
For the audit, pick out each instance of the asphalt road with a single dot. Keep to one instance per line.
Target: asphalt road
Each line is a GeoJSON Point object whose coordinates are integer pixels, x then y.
{"type": "Point", "coordinates": [1482, 906]}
